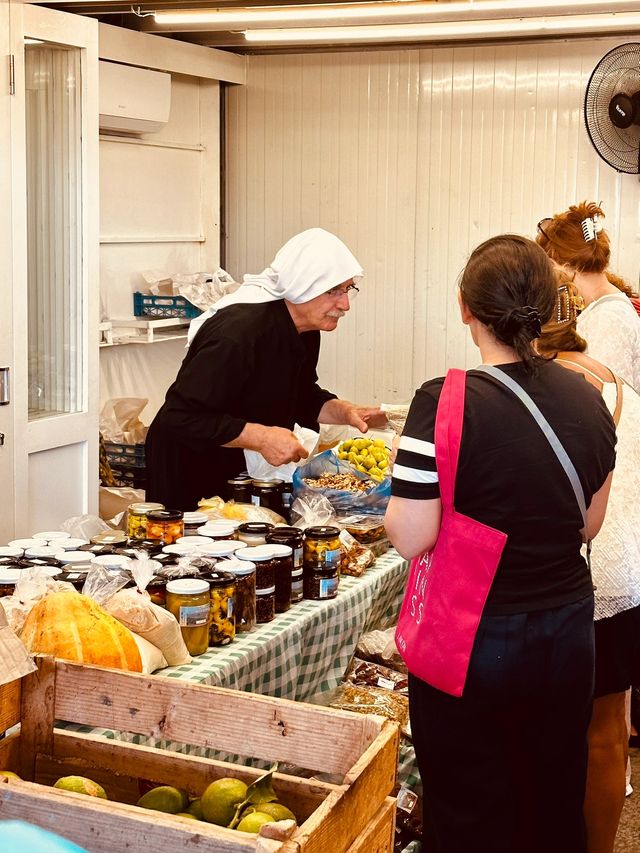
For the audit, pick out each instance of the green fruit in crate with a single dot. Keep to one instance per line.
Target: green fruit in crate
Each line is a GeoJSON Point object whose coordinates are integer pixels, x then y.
{"type": "Point", "coordinates": [164, 798]}
{"type": "Point", "coordinates": [220, 800]}
{"type": "Point", "coordinates": [80, 785]}
{"type": "Point", "coordinates": [195, 809]}
{"type": "Point", "coordinates": [10, 774]}
{"type": "Point", "coordinates": [252, 822]}
{"type": "Point", "coordinates": [186, 814]}
{"type": "Point", "coordinates": [277, 811]}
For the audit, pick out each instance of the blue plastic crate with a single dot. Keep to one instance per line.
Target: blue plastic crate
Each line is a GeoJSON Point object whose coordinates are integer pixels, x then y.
{"type": "Point", "coordinates": [129, 455]}
{"type": "Point", "coordinates": [162, 307]}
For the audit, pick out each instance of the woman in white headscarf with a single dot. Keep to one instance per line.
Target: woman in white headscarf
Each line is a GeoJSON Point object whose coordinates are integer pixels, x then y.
{"type": "Point", "coordinates": [250, 374]}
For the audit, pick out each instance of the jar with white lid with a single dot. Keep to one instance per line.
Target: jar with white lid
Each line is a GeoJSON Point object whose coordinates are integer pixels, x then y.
{"type": "Point", "coordinates": [180, 549]}
{"type": "Point", "coordinates": [111, 562]}
{"type": "Point", "coordinates": [75, 558]}
{"type": "Point", "coordinates": [42, 551]}
{"type": "Point", "coordinates": [193, 521]}
{"type": "Point", "coordinates": [245, 601]}
{"type": "Point", "coordinates": [25, 543]}
{"type": "Point", "coordinates": [189, 600]}
{"type": "Point", "coordinates": [11, 551]}
{"type": "Point", "coordinates": [262, 556]}
{"type": "Point", "coordinates": [8, 579]}
{"type": "Point", "coordinates": [70, 544]}
{"type": "Point", "coordinates": [221, 549]}
{"type": "Point", "coordinates": [194, 541]}
{"type": "Point", "coordinates": [254, 532]}
{"type": "Point", "coordinates": [51, 536]}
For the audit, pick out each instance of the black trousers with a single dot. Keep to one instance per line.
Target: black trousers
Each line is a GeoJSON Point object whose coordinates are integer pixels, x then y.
{"type": "Point", "coordinates": [504, 767]}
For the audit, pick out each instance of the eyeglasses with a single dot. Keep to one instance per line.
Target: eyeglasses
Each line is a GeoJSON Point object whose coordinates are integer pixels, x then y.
{"type": "Point", "coordinates": [544, 222]}
{"type": "Point", "coordinates": [350, 290]}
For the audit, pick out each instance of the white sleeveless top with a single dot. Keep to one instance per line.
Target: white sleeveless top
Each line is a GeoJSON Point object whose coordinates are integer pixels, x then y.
{"type": "Point", "coordinates": [611, 329]}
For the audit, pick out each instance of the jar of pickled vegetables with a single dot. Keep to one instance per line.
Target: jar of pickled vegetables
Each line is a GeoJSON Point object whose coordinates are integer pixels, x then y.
{"type": "Point", "coordinates": [137, 519]}
{"type": "Point", "coordinates": [245, 600]}
{"type": "Point", "coordinates": [189, 599]}
{"type": "Point", "coordinates": [254, 532]}
{"type": "Point", "coordinates": [223, 621]}
{"type": "Point", "coordinates": [321, 548]}
{"type": "Point", "coordinates": [165, 524]}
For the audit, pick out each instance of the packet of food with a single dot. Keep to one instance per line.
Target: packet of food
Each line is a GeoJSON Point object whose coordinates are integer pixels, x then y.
{"type": "Point", "coordinates": [356, 558]}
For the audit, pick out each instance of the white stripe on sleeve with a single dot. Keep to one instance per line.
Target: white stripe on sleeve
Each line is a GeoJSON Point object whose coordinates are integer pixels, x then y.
{"type": "Point", "coordinates": [413, 475]}
{"type": "Point", "coordinates": [417, 445]}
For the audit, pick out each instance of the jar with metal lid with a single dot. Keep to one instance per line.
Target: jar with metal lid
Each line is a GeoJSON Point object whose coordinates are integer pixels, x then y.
{"type": "Point", "coordinates": [320, 584]}
{"type": "Point", "coordinates": [297, 585]}
{"type": "Point", "coordinates": [165, 524]}
{"type": "Point", "coordinates": [223, 549]}
{"type": "Point", "coordinates": [189, 600]}
{"type": "Point", "coordinates": [254, 532]}
{"type": "Point", "coordinates": [193, 521]}
{"type": "Point", "coordinates": [283, 558]}
{"type": "Point", "coordinates": [265, 605]}
{"type": "Point", "coordinates": [137, 518]}
{"type": "Point", "coordinates": [291, 536]}
{"type": "Point", "coordinates": [268, 493]}
{"type": "Point", "coordinates": [239, 489]}
{"type": "Point", "coordinates": [321, 548]}
{"type": "Point", "coordinates": [76, 577]}
{"type": "Point", "coordinates": [223, 621]}
{"type": "Point", "coordinates": [262, 556]}
{"type": "Point", "coordinates": [97, 549]}
{"type": "Point", "coordinates": [245, 601]}
{"type": "Point", "coordinates": [109, 537]}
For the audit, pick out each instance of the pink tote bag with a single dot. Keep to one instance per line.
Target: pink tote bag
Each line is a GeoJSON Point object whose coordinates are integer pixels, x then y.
{"type": "Point", "coordinates": [448, 586]}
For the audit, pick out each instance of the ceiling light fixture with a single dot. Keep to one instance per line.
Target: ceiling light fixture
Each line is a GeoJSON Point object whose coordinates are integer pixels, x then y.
{"type": "Point", "coordinates": [406, 9]}
{"type": "Point", "coordinates": [566, 25]}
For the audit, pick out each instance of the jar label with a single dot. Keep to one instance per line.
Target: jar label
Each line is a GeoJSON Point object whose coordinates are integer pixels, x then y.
{"type": "Point", "coordinates": [255, 500]}
{"type": "Point", "coordinates": [193, 615]}
{"type": "Point", "coordinates": [332, 558]}
{"type": "Point", "coordinates": [296, 589]}
{"type": "Point", "coordinates": [327, 587]}
{"type": "Point", "coordinates": [297, 557]}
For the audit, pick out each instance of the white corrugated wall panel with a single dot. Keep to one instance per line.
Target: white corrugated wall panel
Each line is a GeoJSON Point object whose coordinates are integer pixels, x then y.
{"type": "Point", "coordinates": [413, 157]}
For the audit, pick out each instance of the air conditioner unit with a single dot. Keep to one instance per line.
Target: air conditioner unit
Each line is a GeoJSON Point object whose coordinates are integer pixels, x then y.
{"type": "Point", "coordinates": [133, 100]}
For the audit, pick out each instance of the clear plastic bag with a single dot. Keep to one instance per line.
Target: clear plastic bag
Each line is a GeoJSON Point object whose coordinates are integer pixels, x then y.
{"type": "Point", "coordinates": [312, 509]}
{"type": "Point", "coordinates": [356, 558]}
{"type": "Point", "coordinates": [216, 508]}
{"type": "Point", "coordinates": [371, 499]}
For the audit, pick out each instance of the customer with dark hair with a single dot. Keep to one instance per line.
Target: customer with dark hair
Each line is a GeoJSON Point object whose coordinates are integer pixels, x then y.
{"type": "Point", "coordinates": [610, 324]}
{"type": "Point", "coordinates": [615, 562]}
{"type": "Point", "coordinates": [504, 766]}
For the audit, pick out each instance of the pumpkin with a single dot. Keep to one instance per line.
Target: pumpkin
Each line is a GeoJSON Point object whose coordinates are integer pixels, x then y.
{"type": "Point", "coordinates": [71, 626]}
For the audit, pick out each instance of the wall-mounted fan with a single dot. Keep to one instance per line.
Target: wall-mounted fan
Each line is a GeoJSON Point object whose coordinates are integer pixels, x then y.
{"type": "Point", "coordinates": [612, 108]}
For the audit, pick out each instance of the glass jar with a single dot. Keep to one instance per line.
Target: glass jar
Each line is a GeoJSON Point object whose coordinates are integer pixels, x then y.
{"type": "Point", "coordinates": [193, 521]}
{"type": "Point", "coordinates": [70, 544]}
{"type": "Point", "coordinates": [297, 586]}
{"type": "Point", "coordinates": [111, 562]}
{"type": "Point", "coordinates": [189, 600]}
{"type": "Point", "coordinates": [137, 518]}
{"type": "Point", "coordinates": [110, 537]}
{"type": "Point", "coordinates": [223, 621]}
{"type": "Point", "coordinates": [23, 544]}
{"type": "Point", "coordinates": [291, 536]}
{"type": "Point", "coordinates": [75, 559]}
{"type": "Point", "coordinates": [265, 605]}
{"type": "Point", "coordinates": [42, 551]}
{"type": "Point", "coordinates": [245, 601]}
{"type": "Point", "coordinates": [262, 556]}
{"type": "Point", "coordinates": [165, 524]}
{"type": "Point", "coordinates": [239, 489]}
{"type": "Point", "coordinates": [287, 498]}
{"type": "Point", "coordinates": [254, 532]}
{"type": "Point", "coordinates": [320, 584]}
{"type": "Point", "coordinates": [76, 577]}
{"type": "Point", "coordinates": [283, 558]}
{"type": "Point", "coordinates": [321, 548]}
{"type": "Point", "coordinates": [268, 493]}
{"type": "Point", "coordinates": [157, 589]}
{"type": "Point", "coordinates": [11, 551]}
{"type": "Point", "coordinates": [9, 576]}
{"type": "Point", "coordinates": [51, 537]}
{"type": "Point", "coordinates": [218, 532]}
{"type": "Point", "coordinates": [223, 549]}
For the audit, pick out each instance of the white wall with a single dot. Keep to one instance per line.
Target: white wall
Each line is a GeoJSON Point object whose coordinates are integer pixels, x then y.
{"type": "Point", "coordinates": [413, 157]}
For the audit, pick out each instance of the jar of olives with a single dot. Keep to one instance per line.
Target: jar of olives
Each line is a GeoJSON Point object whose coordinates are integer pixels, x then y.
{"type": "Point", "coordinates": [189, 600]}
{"type": "Point", "coordinates": [254, 532]}
{"type": "Point", "coordinates": [165, 524]}
{"type": "Point", "coordinates": [223, 621]}
{"type": "Point", "coordinates": [321, 548]}
{"type": "Point", "coordinates": [245, 601]}
{"type": "Point", "coordinates": [283, 558]}
{"type": "Point", "coordinates": [137, 519]}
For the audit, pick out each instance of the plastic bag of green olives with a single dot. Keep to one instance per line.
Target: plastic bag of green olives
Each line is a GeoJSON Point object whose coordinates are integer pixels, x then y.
{"type": "Point", "coordinates": [372, 499]}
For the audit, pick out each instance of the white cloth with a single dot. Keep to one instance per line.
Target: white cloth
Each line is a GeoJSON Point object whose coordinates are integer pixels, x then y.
{"type": "Point", "coordinates": [611, 329]}
{"type": "Point", "coordinates": [615, 554]}
{"type": "Point", "coordinates": [306, 266]}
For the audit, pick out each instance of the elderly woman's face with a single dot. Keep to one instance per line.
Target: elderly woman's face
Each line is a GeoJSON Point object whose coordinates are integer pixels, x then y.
{"type": "Point", "coordinates": [324, 311]}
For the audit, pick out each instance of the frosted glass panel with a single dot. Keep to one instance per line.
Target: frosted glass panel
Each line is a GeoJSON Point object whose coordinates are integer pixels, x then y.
{"type": "Point", "coordinates": [54, 236]}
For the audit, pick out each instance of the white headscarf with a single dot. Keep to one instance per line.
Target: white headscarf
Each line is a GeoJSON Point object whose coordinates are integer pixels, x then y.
{"type": "Point", "coordinates": [306, 266]}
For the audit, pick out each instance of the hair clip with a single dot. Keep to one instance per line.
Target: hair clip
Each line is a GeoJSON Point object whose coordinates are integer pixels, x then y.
{"type": "Point", "coordinates": [589, 229]}
{"type": "Point", "coordinates": [597, 223]}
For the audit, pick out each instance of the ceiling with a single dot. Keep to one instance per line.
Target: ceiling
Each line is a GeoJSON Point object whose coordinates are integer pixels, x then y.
{"type": "Point", "coordinates": [389, 23]}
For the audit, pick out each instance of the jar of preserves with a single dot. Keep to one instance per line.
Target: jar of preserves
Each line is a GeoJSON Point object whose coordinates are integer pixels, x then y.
{"type": "Point", "coordinates": [42, 551]}
{"type": "Point", "coordinates": [265, 605]}
{"type": "Point", "coordinates": [321, 548]}
{"type": "Point", "coordinates": [287, 498]}
{"type": "Point", "coordinates": [297, 590]}
{"type": "Point", "coordinates": [193, 521]}
{"type": "Point", "coordinates": [23, 544]}
{"type": "Point", "coordinates": [114, 538]}
{"type": "Point", "coordinates": [111, 562]}
{"type": "Point", "coordinates": [189, 600]}
{"type": "Point", "coordinates": [223, 549]}
{"type": "Point", "coordinates": [137, 518]}
{"type": "Point", "coordinates": [283, 558]}
{"type": "Point", "coordinates": [223, 621]}
{"type": "Point", "coordinates": [291, 536]}
{"type": "Point", "coordinates": [9, 576]}
{"type": "Point", "coordinates": [239, 489]}
{"type": "Point", "coordinates": [254, 532]}
{"type": "Point", "coordinates": [75, 559]}
{"type": "Point", "coordinates": [268, 493]}
{"type": "Point", "coordinates": [262, 556]}
{"type": "Point", "coordinates": [76, 577]}
{"type": "Point", "coordinates": [11, 551]}
{"type": "Point", "coordinates": [245, 601]}
{"type": "Point", "coordinates": [165, 524]}
{"type": "Point", "coordinates": [157, 589]}
{"type": "Point", "coordinates": [51, 537]}
{"type": "Point", "coordinates": [320, 584]}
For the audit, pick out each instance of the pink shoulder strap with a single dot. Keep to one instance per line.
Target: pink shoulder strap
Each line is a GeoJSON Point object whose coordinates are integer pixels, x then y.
{"type": "Point", "coordinates": [448, 432]}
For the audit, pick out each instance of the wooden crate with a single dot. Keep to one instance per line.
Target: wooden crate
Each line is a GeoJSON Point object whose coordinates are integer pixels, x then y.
{"type": "Point", "coordinates": [356, 816]}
